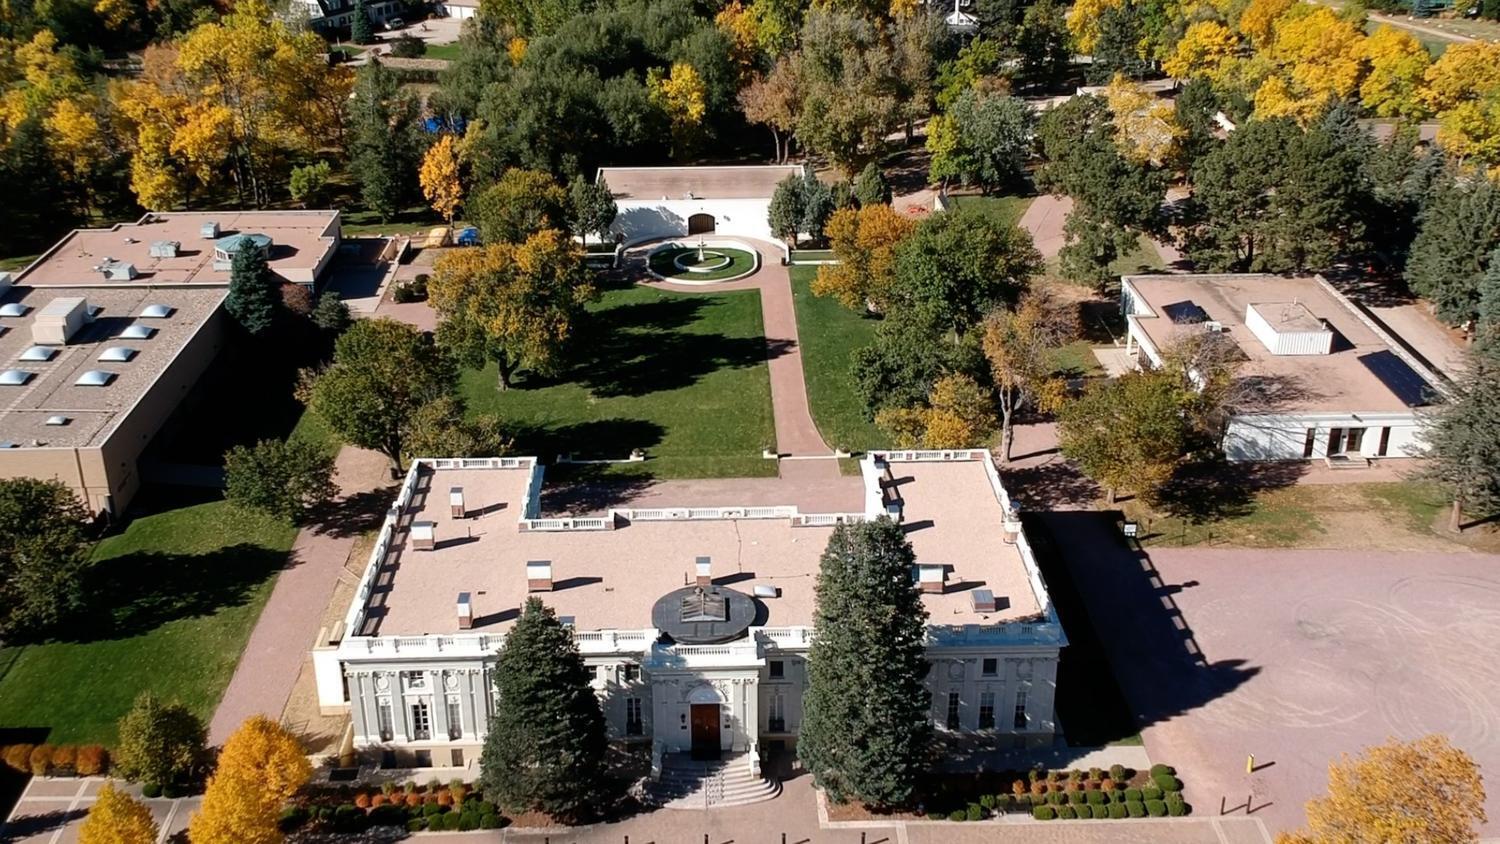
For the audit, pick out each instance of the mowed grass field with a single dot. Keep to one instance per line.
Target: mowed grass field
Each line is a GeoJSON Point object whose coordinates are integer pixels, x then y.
{"type": "Point", "coordinates": [179, 591]}
{"type": "Point", "coordinates": [828, 334]}
{"type": "Point", "coordinates": [682, 376]}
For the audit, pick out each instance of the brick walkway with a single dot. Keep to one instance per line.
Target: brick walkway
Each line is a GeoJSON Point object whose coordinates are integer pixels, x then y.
{"type": "Point", "coordinates": [273, 657]}
{"type": "Point", "coordinates": [52, 809]}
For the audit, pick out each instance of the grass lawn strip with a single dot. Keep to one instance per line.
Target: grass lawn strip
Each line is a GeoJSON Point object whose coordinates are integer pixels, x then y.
{"type": "Point", "coordinates": [683, 376]}
{"type": "Point", "coordinates": [1006, 209]}
{"type": "Point", "coordinates": [186, 586]}
{"type": "Point", "coordinates": [828, 334]}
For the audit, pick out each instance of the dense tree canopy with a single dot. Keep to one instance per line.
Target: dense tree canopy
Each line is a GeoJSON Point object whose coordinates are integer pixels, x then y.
{"type": "Point", "coordinates": [160, 743]}
{"type": "Point", "coordinates": [44, 551]}
{"type": "Point", "coordinates": [957, 266]}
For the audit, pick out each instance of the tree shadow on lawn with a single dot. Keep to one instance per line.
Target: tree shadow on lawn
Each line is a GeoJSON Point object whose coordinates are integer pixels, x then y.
{"type": "Point", "coordinates": [1213, 490]}
{"type": "Point", "coordinates": [355, 514]}
{"type": "Point", "coordinates": [600, 439]}
{"type": "Point", "coordinates": [140, 592]}
{"type": "Point", "coordinates": [641, 348]}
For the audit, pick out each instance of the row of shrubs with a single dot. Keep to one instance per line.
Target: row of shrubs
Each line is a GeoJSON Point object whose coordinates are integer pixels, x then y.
{"type": "Point", "coordinates": [349, 817]}
{"type": "Point", "coordinates": [63, 760]}
{"type": "Point", "coordinates": [404, 292]}
{"type": "Point", "coordinates": [1174, 807]}
{"type": "Point", "coordinates": [1050, 796]}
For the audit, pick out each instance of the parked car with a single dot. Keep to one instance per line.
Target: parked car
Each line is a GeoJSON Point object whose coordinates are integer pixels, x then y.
{"type": "Point", "coordinates": [394, 24]}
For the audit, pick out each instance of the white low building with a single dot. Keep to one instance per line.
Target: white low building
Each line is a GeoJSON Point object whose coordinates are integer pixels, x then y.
{"type": "Point", "coordinates": [660, 202]}
{"type": "Point", "coordinates": [1332, 384]}
{"type": "Point", "coordinates": [695, 620]}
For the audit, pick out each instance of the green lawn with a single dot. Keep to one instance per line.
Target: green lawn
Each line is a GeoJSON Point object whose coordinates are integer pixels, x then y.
{"type": "Point", "coordinates": [1006, 209]}
{"type": "Point", "coordinates": [682, 376]}
{"type": "Point", "coordinates": [446, 52]}
{"type": "Point", "coordinates": [828, 333]}
{"type": "Point", "coordinates": [740, 262]}
{"type": "Point", "coordinates": [1076, 360]}
{"type": "Point", "coordinates": [16, 262]}
{"type": "Point", "coordinates": [185, 586]}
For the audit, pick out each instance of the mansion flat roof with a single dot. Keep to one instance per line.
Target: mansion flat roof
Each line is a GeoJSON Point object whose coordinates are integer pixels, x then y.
{"type": "Point", "coordinates": [301, 240]}
{"type": "Point", "coordinates": [52, 388]}
{"type": "Point", "coordinates": [610, 579]}
{"type": "Point", "coordinates": [743, 182]}
{"type": "Point", "coordinates": [1362, 373]}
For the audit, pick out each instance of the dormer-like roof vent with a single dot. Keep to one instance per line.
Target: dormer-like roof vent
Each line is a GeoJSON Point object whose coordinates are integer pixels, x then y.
{"type": "Point", "coordinates": [117, 354]}
{"type": "Point", "coordinates": [38, 353]}
{"type": "Point", "coordinates": [156, 312]}
{"type": "Point", "coordinates": [95, 378]}
{"type": "Point", "coordinates": [15, 377]}
{"type": "Point", "coordinates": [136, 331]}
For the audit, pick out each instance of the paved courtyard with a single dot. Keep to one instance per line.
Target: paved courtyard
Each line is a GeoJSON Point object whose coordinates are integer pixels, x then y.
{"type": "Point", "coordinates": [1293, 656]}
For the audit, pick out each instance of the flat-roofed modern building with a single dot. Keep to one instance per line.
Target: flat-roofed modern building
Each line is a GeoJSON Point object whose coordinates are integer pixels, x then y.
{"type": "Point", "coordinates": [658, 202]}
{"type": "Point", "coordinates": [1329, 383]}
{"type": "Point", "coordinates": [695, 619]}
{"type": "Point", "coordinates": [103, 335]}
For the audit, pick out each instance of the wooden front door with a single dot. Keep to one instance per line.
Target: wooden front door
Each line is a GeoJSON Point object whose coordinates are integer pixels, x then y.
{"type": "Point", "coordinates": [705, 730]}
{"type": "Point", "coordinates": [701, 224]}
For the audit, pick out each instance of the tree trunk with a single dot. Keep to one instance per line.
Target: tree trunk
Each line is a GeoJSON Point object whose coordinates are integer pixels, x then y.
{"type": "Point", "coordinates": [1007, 434]}
{"type": "Point", "coordinates": [1109, 495]}
{"type": "Point", "coordinates": [1456, 521]}
{"type": "Point", "coordinates": [776, 142]}
{"type": "Point", "coordinates": [506, 370]}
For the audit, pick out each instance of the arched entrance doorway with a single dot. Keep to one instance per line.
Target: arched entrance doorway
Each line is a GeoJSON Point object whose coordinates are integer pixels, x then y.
{"type": "Point", "coordinates": [701, 224]}
{"type": "Point", "coordinates": [704, 707]}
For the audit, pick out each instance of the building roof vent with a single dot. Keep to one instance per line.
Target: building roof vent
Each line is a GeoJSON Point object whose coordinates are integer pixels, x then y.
{"type": "Point", "coordinates": [8, 444]}
{"type": "Point", "coordinates": [117, 270]}
{"type": "Point", "coordinates": [59, 420]}
{"type": "Point", "coordinates": [13, 309]}
{"type": "Point", "coordinates": [59, 320]}
{"type": "Point", "coordinates": [156, 311]}
{"type": "Point", "coordinates": [117, 354]}
{"type": "Point", "coordinates": [165, 248]}
{"type": "Point", "coordinates": [95, 378]}
{"type": "Point", "coordinates": [136, 331]}
{"type": "Point", "coordinates": [15, 377]}
{"type": "Point", "coordinates": [209, 230]}
{"type": "Point", "coordinates": [39, 353]}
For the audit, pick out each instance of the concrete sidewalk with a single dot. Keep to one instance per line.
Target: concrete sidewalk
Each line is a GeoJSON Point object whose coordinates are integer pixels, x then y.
{"type": "Point", "coordinates": [273, 656]}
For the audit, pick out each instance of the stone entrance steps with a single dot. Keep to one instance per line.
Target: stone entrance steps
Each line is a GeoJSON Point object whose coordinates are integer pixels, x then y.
{"type": "Point", "coordinates": [687, 783]}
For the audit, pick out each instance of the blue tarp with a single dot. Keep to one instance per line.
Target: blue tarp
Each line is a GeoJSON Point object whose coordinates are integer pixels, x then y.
{"type": "Point", "coordinates": [468, 236]}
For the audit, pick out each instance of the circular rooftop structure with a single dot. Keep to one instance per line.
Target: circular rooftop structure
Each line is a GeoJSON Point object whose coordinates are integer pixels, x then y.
{"type": "Point", "coordinates": [233, 243]}
{"type": "Point", "coordinates": [703, 615]}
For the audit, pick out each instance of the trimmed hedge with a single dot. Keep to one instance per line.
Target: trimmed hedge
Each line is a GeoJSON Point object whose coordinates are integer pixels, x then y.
{"type": "Point", "coordinates": [1100, 812]}
{"type": "Point", "coordinates": [1133, 794]}
{"type": "Point", "coordinates": [1077, 798]}
{"type": "Point", "coordinates": [975, 811]}
{"type": "Point", "coordinates": [1156, 808]}
{"type": "Point", "coordinates": [1157, 770]}
{"type": "Point", "coordinates": [1151, 792]}
{"type": "Point", "coordinates": [1043, 813]}
{"type": "Point", "coordinates": [1066, 813]}
{"type": "Point", "coordinates": [1135, 808]}
{"type": "Point", "coordinates": [958, 815]}
{"type": "Point", "coordinates": [1117, 773]}
{"type": "Point", "coordinates": [1117, 811]}
{"type": "Point", "coordinates": [1167, 782]}
{"type": "Point", "coordinates": [1097, 798]}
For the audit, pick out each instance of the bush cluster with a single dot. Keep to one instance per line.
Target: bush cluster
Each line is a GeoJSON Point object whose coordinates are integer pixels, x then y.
{"type": "Point", "coordinates": [1098, 794]}
{"type": "Point", "coordinates": [64, 760]}
{"type": "Point", "coordinates": [455, 807]}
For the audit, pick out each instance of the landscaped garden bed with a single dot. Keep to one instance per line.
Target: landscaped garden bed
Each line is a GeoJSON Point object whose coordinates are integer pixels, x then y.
{"type": "Point", "coordinates": [1119, 793]}
{"type": "Point", "coordinates": [694, 264]}
{"type": "Point", "coordinates": [457, 806]}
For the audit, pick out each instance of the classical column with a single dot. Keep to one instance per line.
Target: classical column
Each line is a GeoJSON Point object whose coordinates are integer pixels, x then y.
{"type": "Point", "coordinates": [360, 704]}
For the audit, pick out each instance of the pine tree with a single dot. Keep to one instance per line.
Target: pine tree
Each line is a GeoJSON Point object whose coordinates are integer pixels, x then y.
{"type": "Point", "coordinates": [117, 818]}
{"type": "Point", "coordinates": [818, 204]}
{"type": "Point", "coordinates": [865, 729]}
{"type": "Point", "coordinates": [593, 207]}
{"type": "Point", "coordinates": [361, 28]}
{"type": "Point", "coordinates": [1488, 328]}
{"type": "Point", "coordinates": [1459, 229]}
{"type": "Point", "coordinates": [387, 148]}
{"type": "Point", "coordinates": [546, 743]}
{"type": "Point", "coordinates": [785, 212]}
{"type": "Point", "coordinates": [1463, 437]}
{"type": "Point", "coordinates": [254, 290]}
{"type": "Point", "coordinates": [871, 188]}
{"type": "Point", "coordinates": [1118, 49]}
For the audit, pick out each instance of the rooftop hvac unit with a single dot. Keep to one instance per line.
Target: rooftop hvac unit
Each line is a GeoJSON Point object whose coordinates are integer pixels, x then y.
{"type": "Point", "coordinates": [116, 270]}
{"type": "Point", "coordinates": [1213, 326]}
{"type": "Point", "coordinates": [165, 248]}
{"type": "Point", "coordinates": [209, 230]}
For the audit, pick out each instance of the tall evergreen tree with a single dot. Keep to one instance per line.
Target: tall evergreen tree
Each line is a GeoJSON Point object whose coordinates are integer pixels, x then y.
{"type": "Point", "coordinates": [1118, 50]}
{"type": "Point", "coordinates": [594, 207]}
{"type": "Point", "coordinates": [361, 28]}
{"type": "Point", "coordinates": [871, 187]}
{"type": "Point", "coordinates": [1463, 437]}
{"type": "Point", "coordinates": [1458, 230]}
{"type": "Point", "coordinates": [387, 145]}
{"type": "Point", "coordinates": [786, 210]}
{"type": "Point", "coordinates": [1044, 43]}
{"type": "Point", "coordinates": [866, 727]}
{"type": "Point", "coordinates": [818, 204]}
{"type": "Point", "coordinates": [546, 743]}
{"type": "Point", "coordinates": [254, 290]}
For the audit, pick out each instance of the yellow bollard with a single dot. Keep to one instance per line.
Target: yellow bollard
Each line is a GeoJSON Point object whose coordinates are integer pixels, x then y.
{"type": "Point", "coordinates": [1250, 764]}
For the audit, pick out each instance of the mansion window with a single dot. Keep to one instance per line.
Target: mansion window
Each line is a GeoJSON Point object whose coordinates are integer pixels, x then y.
{"type": "Point", "coordinates": [455, 719]}
{"type": "Point", "coordinates": [456, 758]}
{"type": "Point", "coordinates": [953, 723]}
{"type": "Point", "coordinates": [776, 721]}
{"type": "Point", "coordinates": [414, 680]}
{"type": "Point", "coordinates": [986, 710]}
{"type": "Point", "coordinates": [778, 669]}
{"type": "Point", "coordinates": [989, 667]}
{"type": "Point", "coordinates": [421, 721]}
{"type": "Point", "coordinates": [633, 725]}
{"type": "Point", "coordinates": [632, 672]}
{"type": "Point", "coordinates": [383, 717]}
{"type": "Point", "coordinates": [1020, 719]}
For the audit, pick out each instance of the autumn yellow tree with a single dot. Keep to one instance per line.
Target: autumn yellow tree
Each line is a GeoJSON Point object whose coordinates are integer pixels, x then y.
{"type": "Point", "coordinates": [1083, 22]}
{"type": "Point", "coordinates": [1321, 57]}
{"type": "Point", "coordinates": [440, 176]}
{"type": "Point", "coordinates": [680, 94]}
{"type": "Point", "coordinates": [1145, 125]}
{"type": "Point", "coordinates": [959, 414]}
{"type": "Point", "coordinates": [515, 304]}
{"type": "Point", "coordinates": [738, 24]}
{"type": "Point", "coordinates": [1398, 69]}
{"type": "Point", "coordinates": [117, 818]}
{"type": "Point", "coordinates": [1204, 51]}
{"type": "Point", "coordinates": [865, 242]}
{"type": "Point", "coordinates": [1463, 90]}
{"type": "Point", "coordinates": [260, 767]}
{"type": "Point", "coordinates": [1258, 21]}
{"type": "Point", "coordinates": [1018, 345]}
{"type": "Point", "coordinates": [1425, 790]}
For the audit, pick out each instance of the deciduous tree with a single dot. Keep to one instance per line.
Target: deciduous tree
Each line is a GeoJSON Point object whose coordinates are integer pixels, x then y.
{"type": "Point", "coordinates": [440, 428]}
{"type": "Point", "coordinates": [117, 818]}
{"type": "Point", "coordinates": [260, 767]}
{"type": "Point", "coordinates": [309, 181]}
{"type": "Point", "coordinates": [382, 372]}
{"type": "Point", "coordinates": [1019, 344]}
{"type": "Point", "coordinates": [546, 742]}
{"type": "Point", "coordinates": [441, 177]}
{"type": "Point", "coordinates": [44, 554]}
{"type": "Point", "coordinates": [518, 206]}
{"type": "Point", "coordinates": [864, 241]}
{"type": "Point", "coordinates": [1203, 52]}
{"type": "Point", "coordinates": [681, 95]}
{"type": "Point", "coordinates": [1398, 66]}
{"type": "Point", "coordinates": [983, 139]}
{"type": "Point", "coordinates": [1145, 126]}
{"type": "Point", "coordinates": [959, 414]}
{"type": "Point", "coordinates": [518, 305]}
{"type": "Point", "coordinates": [847, 72]}
{"type": "Point", "coordinates": [866, 727]}
{"type": "Point", "coordinates": [906, 361]}
{"type": "Point", "coordinates": [957, 266]}
{"type": "Point", "coordinates": [1044, 43]}
{"type": "Point", "coordinates": [593, 207]}
{"type": "Point", "coordinates": [1127, 432]}
{"type": "Point", "coordinates": [284, 478]}
{"type": "Point", "coordinates": [775, 101]}
{"type": "Point", "coordinates": [1422, 790]}
{"type": "Point", "coordinates": [160, 743]}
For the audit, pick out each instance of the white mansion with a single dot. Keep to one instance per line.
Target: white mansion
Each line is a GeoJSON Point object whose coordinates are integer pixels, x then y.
{"type": "Point", "coordinates": [695, 619]}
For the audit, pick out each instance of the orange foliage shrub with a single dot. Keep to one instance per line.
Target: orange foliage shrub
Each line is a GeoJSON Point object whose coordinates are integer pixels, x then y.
{"type": "Point", "coordinates": [92, 761]}
{"type": "Point", "coordinates": [362, 800]}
